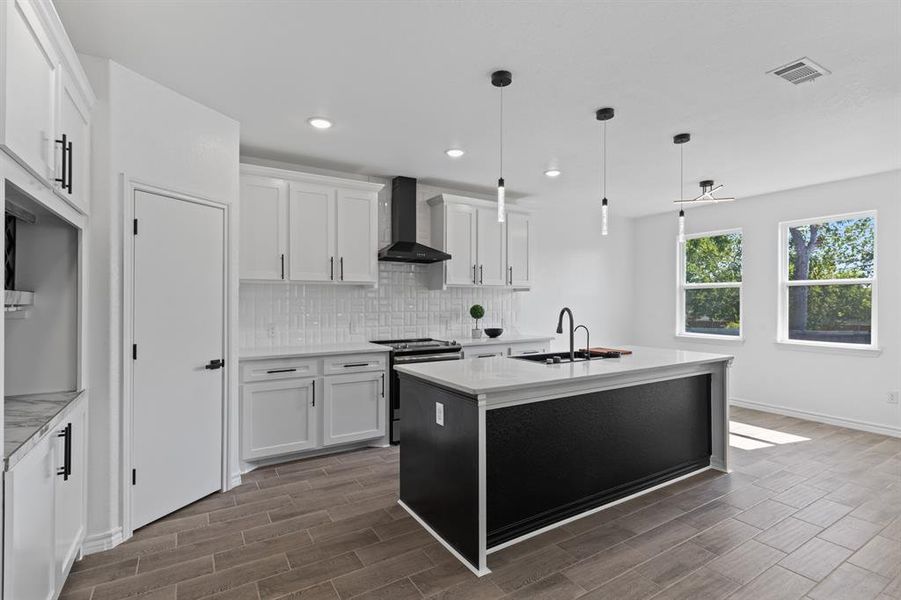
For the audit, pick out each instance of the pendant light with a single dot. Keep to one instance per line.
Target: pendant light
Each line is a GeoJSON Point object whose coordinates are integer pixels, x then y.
{"type": "Point", "coordinates": [501, 79]}
{"type": "Point", "coordinates": [604, 115]}
{"type": "Point", "coordinates": [681, 139]}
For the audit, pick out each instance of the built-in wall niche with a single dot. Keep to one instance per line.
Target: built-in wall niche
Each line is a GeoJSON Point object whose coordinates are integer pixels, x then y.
{"type": "Point", "coordinates": [40, 298]}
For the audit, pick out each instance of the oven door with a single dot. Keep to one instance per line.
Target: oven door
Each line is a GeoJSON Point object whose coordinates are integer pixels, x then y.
{"type": "Point", "coordinates": [395, 383]}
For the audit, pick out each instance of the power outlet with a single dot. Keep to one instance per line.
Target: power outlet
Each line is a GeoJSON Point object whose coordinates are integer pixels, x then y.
{"type": "Point", "coordinates": [439, 414]}
{"type": "Point", "coordinates": [894, 396]}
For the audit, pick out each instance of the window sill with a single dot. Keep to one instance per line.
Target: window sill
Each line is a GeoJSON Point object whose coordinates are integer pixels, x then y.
{"type": "Point", "coordinates": [871, 351]}
{"type": "Point", "coordinates": [716, 339]}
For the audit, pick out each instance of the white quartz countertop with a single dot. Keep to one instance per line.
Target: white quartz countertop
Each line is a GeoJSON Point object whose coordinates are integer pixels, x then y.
{"type": "Point", "coordinates": [504, 338]}
{"type": "Point", "coordinates": [28, 418]}
{"type": "Point", "coordinates": [478, 376]}
{"type": "Point", "coordinates": [312, 350]}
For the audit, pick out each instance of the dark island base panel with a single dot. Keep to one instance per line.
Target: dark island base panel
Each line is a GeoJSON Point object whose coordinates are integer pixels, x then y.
{"type": "Point", "coordinates": [548, 461]}
{"type": "Point", "coordinates": [439, 465]}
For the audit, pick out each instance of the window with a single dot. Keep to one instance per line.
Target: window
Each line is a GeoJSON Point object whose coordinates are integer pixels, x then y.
{"type": "Point", "coordinates": [710, 285]}
{"type": "Point", "coordinates": [828, 281]}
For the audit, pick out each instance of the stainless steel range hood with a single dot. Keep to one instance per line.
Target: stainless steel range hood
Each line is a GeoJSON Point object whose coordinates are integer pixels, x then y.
{"type": "Point", "coordinates": [404, 247]}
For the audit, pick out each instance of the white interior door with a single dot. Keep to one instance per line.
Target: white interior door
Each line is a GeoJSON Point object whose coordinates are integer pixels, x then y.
{"type": "Point", "coordinates": [179, 302]}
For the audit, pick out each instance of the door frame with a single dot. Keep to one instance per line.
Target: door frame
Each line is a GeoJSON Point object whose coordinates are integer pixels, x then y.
{"type": "Point", "coordinates": [129, 188]}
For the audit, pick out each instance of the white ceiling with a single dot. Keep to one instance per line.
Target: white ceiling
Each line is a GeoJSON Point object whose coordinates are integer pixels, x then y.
{"type": "Point", "coordinates": [405, 80]}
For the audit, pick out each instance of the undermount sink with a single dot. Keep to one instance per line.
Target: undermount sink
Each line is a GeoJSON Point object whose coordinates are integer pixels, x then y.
{"type": "Point", "coordinates": [563, 357]}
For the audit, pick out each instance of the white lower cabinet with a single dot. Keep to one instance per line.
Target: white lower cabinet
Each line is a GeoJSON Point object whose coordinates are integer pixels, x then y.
{"type": "Point", "coordinates": [296, 404]}
{"type": "Point", "coordinates": [44, 512]}
{"type": "Point", "coordinates": [279, 417]}
{"type": "Point", "coordinates": [353, 408]}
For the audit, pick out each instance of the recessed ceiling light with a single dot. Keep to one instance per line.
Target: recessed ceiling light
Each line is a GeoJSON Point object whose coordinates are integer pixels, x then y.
{"type": "Point", "coordinates": [319, 122]}
{"type": "Point", "coordinates": [454, 152]}
{"type": "Point", "coordinates": [553, 172]}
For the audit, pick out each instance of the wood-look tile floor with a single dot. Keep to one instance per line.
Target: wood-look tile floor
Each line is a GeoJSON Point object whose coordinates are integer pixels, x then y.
{"type": "Point", "coordinates": [818, 518]}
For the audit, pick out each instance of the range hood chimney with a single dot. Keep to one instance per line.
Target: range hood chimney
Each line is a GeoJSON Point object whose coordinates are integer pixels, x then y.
{"type": "Point", "coordinates": [403, 247]}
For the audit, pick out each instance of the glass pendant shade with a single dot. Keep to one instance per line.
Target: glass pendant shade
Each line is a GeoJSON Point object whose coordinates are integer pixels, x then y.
{"type": "Point", "coordinates": [501, 201]}
{"type": "Point", "coordinates": [604, 217]}
{"type": "Point", "coordinates": [681, 225]}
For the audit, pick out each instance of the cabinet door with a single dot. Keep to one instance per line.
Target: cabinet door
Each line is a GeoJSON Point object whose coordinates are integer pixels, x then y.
{"type": "Point", "coordinates": [460, 225]}
{"type": "Point", "coordinates": [353, 407]}
{"type": "Point", "coordinates": [279, 417]}
{"type": "Point", "coordinates": [28, 525]}
{"type": "Point", "coordinates": [492, 249]}
{"type": "Point", "coordinates": [75, 124]}
{"type": "Point", "coordinates": [31, 83]}
{"type": "Point", "coordinates": [519, 267]}
{"type": "Point", "coordinates": [263, 228]}
{"type": "Point", "coordinates": [357, 237]}
{"type": "Point", "coordinates": [311, 236]}
{"type": "Point", "coordinates": [70, 493]}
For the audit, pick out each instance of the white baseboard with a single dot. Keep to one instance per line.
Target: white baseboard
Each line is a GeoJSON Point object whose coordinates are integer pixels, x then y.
{"type": "Point", "coordinates": [99, 542]}
{"type": "Point", "coordinates": [818, 417]}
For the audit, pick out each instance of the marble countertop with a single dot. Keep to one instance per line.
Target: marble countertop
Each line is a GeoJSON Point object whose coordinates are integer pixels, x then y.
{"type": "Point", "coordinates": [27, 418]}
{"type": "Point", "coordinates": [312, 350]}
{"type": "Point", "coordinates": [477, 376]}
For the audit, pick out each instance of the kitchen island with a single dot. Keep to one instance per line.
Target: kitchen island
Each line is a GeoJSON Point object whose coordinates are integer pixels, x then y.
{"type": "Point", "coordinates": [498, 450]}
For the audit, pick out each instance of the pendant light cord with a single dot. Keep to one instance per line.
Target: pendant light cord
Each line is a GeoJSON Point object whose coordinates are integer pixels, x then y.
{"type": "Point", "coordinates": [502, 135]}
{"type": "Point", "coordinates": [605, 159]}
{"type": "Point", "coordinates": [681, 174]}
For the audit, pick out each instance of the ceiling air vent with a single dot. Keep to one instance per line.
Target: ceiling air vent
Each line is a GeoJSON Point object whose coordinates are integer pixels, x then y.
{"type": "Point", "coordinates": [799, 71]}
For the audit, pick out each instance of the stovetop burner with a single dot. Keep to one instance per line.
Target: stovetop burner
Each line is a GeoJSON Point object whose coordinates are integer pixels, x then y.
{"type": "Point", "coordinates": [414, 344]}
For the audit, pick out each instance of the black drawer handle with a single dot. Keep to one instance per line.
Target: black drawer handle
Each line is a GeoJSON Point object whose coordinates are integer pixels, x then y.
{"type": "Point", "coordinates": [349, 365]}
{"type": "Point", "coordinates": [383, 385]}
{"type": "Point", "coordinates": [486, 355]}
{"type": "Point", "coordinates": [270, 371]}
{"type": "Point", "coordinates": [530, 352]}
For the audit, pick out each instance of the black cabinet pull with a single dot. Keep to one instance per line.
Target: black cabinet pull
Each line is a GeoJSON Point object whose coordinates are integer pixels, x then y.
{"type": "Point", "coordinates": [331, 268]}
{"type": "Point", "coordinates": [341, 260]}
{"type": "Point", "coordinates": [270, 371]}
{"type": "Point", "coordinates": [481, 275]}
{"type": "Point", "coordinates": [66, 469]}
{"type": "Point", "coordinates": [69, 153]}
{"type": "Point", "coordinates": [314, 392]}
{"type": "Point", "coordinates": [64, 179]}
{"type": "Point", "coordinates": [348, 365]}
{"type": "Point", "coordinates": [383, 385]}
{"type": "Point", "coordinates": [216, 363]}
{"type": "Point", "coordinates": [510, 269]}
{"type": "Point", "coordinates": [474, 278]}
{"type": "Point", "coordinates": [486, 355]}
{"type": "Point", "coordinates": [283, 266]}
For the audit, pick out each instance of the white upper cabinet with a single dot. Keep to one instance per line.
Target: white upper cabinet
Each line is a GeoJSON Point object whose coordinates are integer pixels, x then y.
{"type": "Point", "coordinates": [483, 251]}
{"type": "Point", "coordinates": [492, 248]}
{"type": "Point", "coordinates": [460, 242]}
{"type": "Point", "coordinates": [31, 78]}
{"type": "Point", "coordinates": [357, 236]}
{"type": "Point", "coordinates": [311, 221]}
{"type": "Point", "coordinates": [264, 241]}
{"type": "Point", "coordinates": [45, 110]}
{"type": "Point", "coordinates": [519, 236]}
{"type": "Point", "coordinates": [327, 230]}
{"type": "Point", "coordinates": [73, 148]}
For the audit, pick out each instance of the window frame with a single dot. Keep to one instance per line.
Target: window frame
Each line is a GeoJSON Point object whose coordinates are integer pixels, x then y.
{"type": "Point", "coordinates": [785, 284]}
{"type": "Point", "coordinates": [682, 286]}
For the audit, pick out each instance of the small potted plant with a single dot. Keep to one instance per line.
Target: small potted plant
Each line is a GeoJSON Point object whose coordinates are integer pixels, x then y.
{"type": "Point", "coordinates": [476, 312]}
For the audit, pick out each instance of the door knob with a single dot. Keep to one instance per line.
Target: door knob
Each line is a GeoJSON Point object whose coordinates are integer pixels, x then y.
{"type": "Point", "coordinates": [214, 364]}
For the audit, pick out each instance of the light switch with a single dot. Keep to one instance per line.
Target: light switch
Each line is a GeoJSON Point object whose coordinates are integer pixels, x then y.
{"type": "Point", "coordinates": [439, 414]}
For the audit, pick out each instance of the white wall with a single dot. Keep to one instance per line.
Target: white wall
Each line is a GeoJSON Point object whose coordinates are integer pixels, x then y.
{"type": "Point", "coordinates": [843, 387]}
{"type": "Point", "coordinates": [158, 137]}
{"type": "Point", "coordinates": [576, 266]}
{"type": "Point", "coordinates": [43, 347]}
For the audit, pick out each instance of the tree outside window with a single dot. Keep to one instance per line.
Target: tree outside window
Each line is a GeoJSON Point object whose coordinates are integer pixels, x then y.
{"type": "Point", "coordinates": [710, 299]}
{"type": "Point", "coordinates": [829, 277]}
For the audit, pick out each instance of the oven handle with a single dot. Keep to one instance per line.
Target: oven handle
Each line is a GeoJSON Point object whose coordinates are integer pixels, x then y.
{"type": "Point", "coordinates": [406, 360]}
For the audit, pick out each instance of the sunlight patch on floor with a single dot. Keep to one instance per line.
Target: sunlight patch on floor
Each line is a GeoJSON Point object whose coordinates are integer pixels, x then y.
{"type": "Point", "coordinates": [751, 437]}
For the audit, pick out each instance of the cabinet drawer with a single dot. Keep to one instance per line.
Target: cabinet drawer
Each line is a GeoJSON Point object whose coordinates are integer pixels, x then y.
{"type": "Point", "coordinates": [354, 363]}
{"type": "Point", "coordinates": [485, 351]}
{"type": "Point", "coordinates": [520, 349]}
{"type": "Point", "coordinates": [283, 368]}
